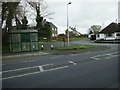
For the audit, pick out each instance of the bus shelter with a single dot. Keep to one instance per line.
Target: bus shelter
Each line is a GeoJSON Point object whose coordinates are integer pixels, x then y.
{"type": "Point", "coordinates": [23, 40]}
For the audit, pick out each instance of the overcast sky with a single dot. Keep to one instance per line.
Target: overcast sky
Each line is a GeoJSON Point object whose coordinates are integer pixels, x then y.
{"type": "Point", "coordinates": [83, 13]}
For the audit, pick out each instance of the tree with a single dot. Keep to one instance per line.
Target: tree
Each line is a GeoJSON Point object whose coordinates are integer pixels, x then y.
{"type": "Point", "coordinates": [90, 31]}
{"type": "Point", "coordinates": [94, 29]}
{"type": "Point", "coordinates": [47, 30]}
{"type": "Point", "coordinates": [42, 7]}
{"type": "Point", "coordinates": [24, 23]}
{"type": "Point", "coordinates": [61, 34]}
{"type": "Point", "coordinates": [8, 13]}
{"type": "Point", "coordinates": [40, 14]}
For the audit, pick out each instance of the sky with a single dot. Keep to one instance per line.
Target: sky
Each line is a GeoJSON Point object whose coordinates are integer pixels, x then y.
{"type": "Point", "coordinates": [82, 13]}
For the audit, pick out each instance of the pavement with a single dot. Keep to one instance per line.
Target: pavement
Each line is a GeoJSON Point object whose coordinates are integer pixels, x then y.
{"type": "Point", "coordinates": [51, 52]}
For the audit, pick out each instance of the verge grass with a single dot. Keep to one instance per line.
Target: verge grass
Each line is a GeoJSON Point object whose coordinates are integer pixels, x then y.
{"type": "Point", "coordinates": [75, 47]}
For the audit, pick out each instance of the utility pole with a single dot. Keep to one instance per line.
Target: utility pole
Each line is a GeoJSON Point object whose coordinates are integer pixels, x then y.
{"type": "Point", "coordinates": [68, 24]}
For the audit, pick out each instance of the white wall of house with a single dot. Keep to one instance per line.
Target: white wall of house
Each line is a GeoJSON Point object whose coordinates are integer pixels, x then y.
{"type": "Point", "coordinates": [54, 32]}
{"type": "Point", "coordinates": [100, 36]}
{"type": "Point", "coordinates": [111, 36]}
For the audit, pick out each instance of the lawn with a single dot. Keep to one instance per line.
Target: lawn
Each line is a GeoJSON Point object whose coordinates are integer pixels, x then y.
{"type": "Point", "coordinates": [75, 47]}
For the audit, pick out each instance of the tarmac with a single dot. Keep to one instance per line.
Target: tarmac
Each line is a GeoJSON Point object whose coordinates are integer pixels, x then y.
{"type": "Point", "coordinates": [12, 55]}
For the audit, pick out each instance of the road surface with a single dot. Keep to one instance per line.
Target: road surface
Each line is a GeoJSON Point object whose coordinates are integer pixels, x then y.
{"type": "Point", "coordinates": [81, 70]}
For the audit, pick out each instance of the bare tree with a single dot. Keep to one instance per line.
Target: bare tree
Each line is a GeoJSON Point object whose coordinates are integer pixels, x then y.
{"type": "Point", "coordinates": [42, 7]}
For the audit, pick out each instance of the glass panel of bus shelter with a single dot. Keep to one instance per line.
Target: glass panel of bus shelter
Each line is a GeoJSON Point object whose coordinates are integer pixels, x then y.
{"type": "Point", "coordinates": [33, 37]}
{"type": "Point", "coordinates": [15, 38]}
{"type": "Point", "coordinates": [16, 47]}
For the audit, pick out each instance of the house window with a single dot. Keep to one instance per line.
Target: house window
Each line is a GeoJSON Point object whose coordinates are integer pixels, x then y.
{"type": "Point", "coordinates": [109, 35]}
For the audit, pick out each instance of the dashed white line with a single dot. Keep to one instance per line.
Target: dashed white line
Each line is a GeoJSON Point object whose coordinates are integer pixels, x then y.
{"type": "Point", "coordinates": [72, 62]}
{"type": "Point", "coordinates": [95, 58]}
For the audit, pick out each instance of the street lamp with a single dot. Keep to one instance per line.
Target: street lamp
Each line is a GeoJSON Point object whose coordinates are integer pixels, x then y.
{"type": "Point", "coordinates": [68, 24]}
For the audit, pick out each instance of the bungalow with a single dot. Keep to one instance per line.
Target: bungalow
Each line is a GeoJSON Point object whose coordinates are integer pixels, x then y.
{"type": "Point", "coordinates": [111, 32]}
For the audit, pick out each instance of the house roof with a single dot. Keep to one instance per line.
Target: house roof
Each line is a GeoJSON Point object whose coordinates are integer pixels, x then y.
{"type": "Point", "coordinates": [111, 28]}
{"type": "Point", "coordinates": [52, 25]}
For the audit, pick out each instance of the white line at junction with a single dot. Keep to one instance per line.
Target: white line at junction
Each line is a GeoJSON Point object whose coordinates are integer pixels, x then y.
{"type": "Point", "coordinates": [41, 69]}
{"type": "Point", "coordinates": [34, 73]}
{"type": "Point", "coordinates": [25, 68]}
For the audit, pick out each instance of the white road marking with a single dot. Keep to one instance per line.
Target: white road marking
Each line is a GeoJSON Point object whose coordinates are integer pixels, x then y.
{"type": "Point", "coordinates": [25, 68]}
{"type": "Point", "coordinates": [2, 64]}
{"type": "Point", "coordinates": [20, 75]}
{"type": "Point", "coordinates": [57, 68]}
{"type": "Point", "coordinates": [0, 73]}
{"type": "Point", "coordinates": [29, 61]}
{"type": "Point", "coordinates": [72, 62]}
{"type": "Point", "coordinates": [41, 69]}
{"type": "Point", "coordinates": [73, 54]}
{"type": "Point", "coordinates": [54, 57]}
{"type": "Point", "coordinates": [34, 73]}
{"type": "Point", "coordinates": [109, 55]}
{"type": "Point", "coordinates": [95, 58]}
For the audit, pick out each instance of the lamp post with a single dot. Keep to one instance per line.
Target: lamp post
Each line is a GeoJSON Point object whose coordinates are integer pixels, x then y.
{"type": "Point", "coordinates": [68, 25]}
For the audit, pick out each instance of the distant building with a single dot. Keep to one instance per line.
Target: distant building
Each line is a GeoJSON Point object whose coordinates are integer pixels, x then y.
{"type": "Point", "coordinates": [74, 32]}
{"type": "Point", "coordinates": [54, 30]}
{"type": "Point", "coordinates": [111, 32]}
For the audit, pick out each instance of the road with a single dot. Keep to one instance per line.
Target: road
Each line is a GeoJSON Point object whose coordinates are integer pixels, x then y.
{"type": "Point", "coordinates": [81, 70]}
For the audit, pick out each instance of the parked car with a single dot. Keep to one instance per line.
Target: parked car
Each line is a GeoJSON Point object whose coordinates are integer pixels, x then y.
{"type": "Point", "coordinates": [92, 36]}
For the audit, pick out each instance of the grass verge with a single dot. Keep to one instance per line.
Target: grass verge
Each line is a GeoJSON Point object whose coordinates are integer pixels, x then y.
{"type": "Point", "coordinates": [75, 47]}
